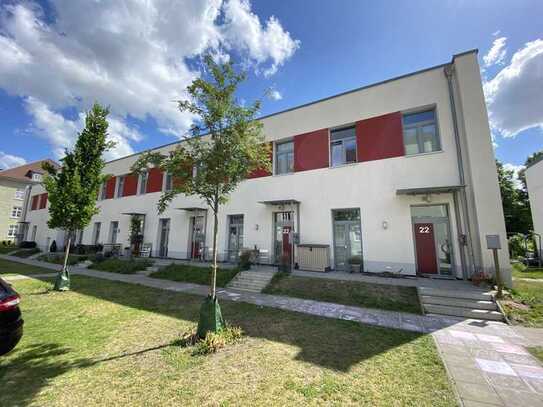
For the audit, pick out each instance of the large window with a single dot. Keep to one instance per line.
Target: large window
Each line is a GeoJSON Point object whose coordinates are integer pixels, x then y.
{"type": "Point", "coordinates": [420, 132]}
{"type": "Point", "coordinates": [143, 182]}
{"type": "Point", "coordinates": [343, 146]}
{"type": "Point", "coordinates": [284, 158]}
{"type": "Point", "coordinates": [103, 189]}
{"type": "Point", "coordinates": [120, 186]}
{"type": "Point", "coordinates": [96, 233]}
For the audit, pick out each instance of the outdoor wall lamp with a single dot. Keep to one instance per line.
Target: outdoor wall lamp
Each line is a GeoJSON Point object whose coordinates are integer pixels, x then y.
{"type": "Point", "coordinates": [385, 224]}
{"type": "Point", "coordinates": [256, 226]}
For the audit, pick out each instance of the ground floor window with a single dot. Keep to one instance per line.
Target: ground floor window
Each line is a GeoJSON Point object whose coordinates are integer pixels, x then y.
{"type": "Point", "coordinates": [235, 237]}
{"type": "Point", "coordinates": [432, 235]}
{"type": "Point", "coordinates": [347, 239]}
{"type": "Point", "coordinates": [12, 230]}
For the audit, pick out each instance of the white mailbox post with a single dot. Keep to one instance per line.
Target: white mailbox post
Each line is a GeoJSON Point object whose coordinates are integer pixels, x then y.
{"type": "Point", "coordinates": [493, 243]}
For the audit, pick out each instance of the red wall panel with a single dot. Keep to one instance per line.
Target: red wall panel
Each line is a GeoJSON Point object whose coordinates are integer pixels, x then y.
{"type": "Point", "coordinates": [311, 150]}
{"type": "Point", "coordinates": [261, 172]}
{"type": "Point", "coordinates": [380, 137]}
{"type": "Point", "coordinates": [43, 200]}
{"type": "Point", "coordinates": [154, 182]}
{"type": "Point", "coordinates": [110, 188]}
{"type": "Point", "coordinates": [35, 201]}
{"type": "Point", "coordinates": [130, 186]}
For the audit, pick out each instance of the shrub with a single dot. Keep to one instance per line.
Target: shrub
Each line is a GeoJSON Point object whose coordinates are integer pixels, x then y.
{"type": "Point", "coordinates": [213, 342]}
{"type": "Point", "coordinates": [27, 245]}
{"type": "Point", "coordinates": [24, 253]}
{"type": "Point", "coordinates": [114, 265]}
{"type": "Point", "coordinates": [245, 260]}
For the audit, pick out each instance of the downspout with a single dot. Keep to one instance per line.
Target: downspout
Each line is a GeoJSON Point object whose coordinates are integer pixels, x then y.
{"type": "Point", "coordinates": [466, 241]}
{"type": "Point", "coordinates": [28, 192]}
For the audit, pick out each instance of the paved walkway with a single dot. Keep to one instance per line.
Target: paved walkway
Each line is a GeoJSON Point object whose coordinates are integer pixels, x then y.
{"type": "Point", "coordinates": [487, 361]}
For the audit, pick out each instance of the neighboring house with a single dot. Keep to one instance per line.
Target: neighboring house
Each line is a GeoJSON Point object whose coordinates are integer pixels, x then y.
{"type": "Point", "coordinates": [400, 174]}
{"type": "Point", "coordinates": [534, 182]}
{"type": "Point", "coordinates": [15, 183]}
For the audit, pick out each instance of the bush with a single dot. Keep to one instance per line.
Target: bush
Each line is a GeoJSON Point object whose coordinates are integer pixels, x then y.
{"type": "Point", "coordinates": [27, 245]}
{"type": "Point", "coordinates": [114, 265]}
{"type": "Point", "coordinates": [88, 248]}
{"type": "Point", "coordinates": [59, 259]}
{"type": "Point", "coordinates": [213, 342]}
{"type": "Point", "coordinates": [245, 260]}
{"type": "Point", "coordinates": [24, 253]}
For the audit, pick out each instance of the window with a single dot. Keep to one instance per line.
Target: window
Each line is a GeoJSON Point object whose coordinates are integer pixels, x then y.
{"type": "Point", "coordinates": [143, 182]}
{"type": "Point", "coordinates": [343, 146]}
{"type": "Point", "coordinates": [12, 231]}
{"type": "Point", "coordinates": [284, 158]}
{"type": "Point", "coordinates": [168, 182]}
{"type": "Point", "coordinates": [96, 233]}
{"type": "Point", "coordinates": [36, 177]}
{"type": "Point", "coordinates": [20, 194]}
{"type": "Point", "coordinates": [16, 212]}
{"type": "Point", "coordinates": [420, 133]}
{"type": "Point", "coordinates": [103, 190]}
{"type": "Point", "coordinates": [120, 186]}
{"type": "Point", "coordinates": [34, 232]}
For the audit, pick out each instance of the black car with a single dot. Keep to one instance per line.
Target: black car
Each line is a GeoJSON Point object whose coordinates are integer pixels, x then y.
{"type": "Point", "coordinates": [11, 323]}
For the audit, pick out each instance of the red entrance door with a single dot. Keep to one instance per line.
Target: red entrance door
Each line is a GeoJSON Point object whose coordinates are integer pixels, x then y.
{"type": "Point", "coordinates": [286, 243]}
{"type": "Point", "coordinates": [426, 248]}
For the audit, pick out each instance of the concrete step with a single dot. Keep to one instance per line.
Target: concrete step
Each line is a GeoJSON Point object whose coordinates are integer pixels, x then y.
{"type": "Point", "coordinates": [250, 281]}
{"type": "Point", "coordinates": [470, 294]}
{"type": "Point", "coordinates": [246, 284]}
{"type": "Point", "coordinates": [463, 312]}
{"type": "Point", "coordinates": [459, 302]}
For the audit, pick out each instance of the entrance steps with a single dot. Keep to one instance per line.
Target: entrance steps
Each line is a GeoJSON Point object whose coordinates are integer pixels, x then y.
{"type": "Point", "coordinates": [464, 303]}
{"type": "Point", "coordinates": [251, 280]}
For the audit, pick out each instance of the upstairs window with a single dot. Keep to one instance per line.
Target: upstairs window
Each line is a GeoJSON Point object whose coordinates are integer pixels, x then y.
{"type": "Point", "coordinates": [144, 176]}
{"type": "Point", "coordinates": [284, 158]}
{"type": "Point", "coordinates": [20, 194]}
{"type": "Point", "coordinates": [120, 186]}
{"type": "Point", "coordinates": [103, 189]}
{"type": "Point", "coordinates": [342, 146]}
{"type": "Point", "coordinates": [420, 133]}
{"type": "Point", "coordinates": [36, 177]}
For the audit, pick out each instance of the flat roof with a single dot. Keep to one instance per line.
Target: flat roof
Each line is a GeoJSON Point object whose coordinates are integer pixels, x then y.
{"type": "Point", "coordinates": [429, 190]}
{"type": "Point", "coordinates": [471, 51]}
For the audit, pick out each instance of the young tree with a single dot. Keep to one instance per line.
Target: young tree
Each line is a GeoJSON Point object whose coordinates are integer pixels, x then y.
{"type": "Point", "coordinates": [226, 145]}
{"type": "Point", "coordinates": [73, 188]}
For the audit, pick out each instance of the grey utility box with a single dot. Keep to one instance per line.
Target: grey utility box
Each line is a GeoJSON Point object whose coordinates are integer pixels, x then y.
{"type": "Point", "coordinates": [493, 242]}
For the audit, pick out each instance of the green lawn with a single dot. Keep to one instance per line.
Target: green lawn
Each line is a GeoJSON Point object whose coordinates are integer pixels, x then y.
{"type": "Point", "coordinates": [58, 258]}
{"type": "Point", "coordinates": [194, 274]}
{"type": "Point", "coordinates": [9, 267]}
{"type": "Point", "coordinates": [7, 249]}
{"type": "Point", "coordinates": [122, 266]}
{"type": "Point", "coordinates": [519, 271]}
{"type": "Point", "coordinates": [525, 307]}
{"type": "Point", "coordinates": [387, 297]}
{"type": "Point", "coordinates": [110, 343]}
{"type": "Point", "coordinates": [537, 352]}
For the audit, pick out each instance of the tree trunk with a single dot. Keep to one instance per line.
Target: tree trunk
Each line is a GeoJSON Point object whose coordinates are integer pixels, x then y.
{"type": "Point", "coordinates": [214, 267]}
{"type": "Point", "coordinates": [62, 282]}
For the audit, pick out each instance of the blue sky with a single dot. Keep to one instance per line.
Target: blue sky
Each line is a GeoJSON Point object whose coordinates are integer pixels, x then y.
{"type": "Point", "coordinates": [54, 61]}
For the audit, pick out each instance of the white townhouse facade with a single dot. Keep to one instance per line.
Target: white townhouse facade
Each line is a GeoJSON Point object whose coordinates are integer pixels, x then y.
{"type": "Point", "coordinates": [534, 183]}
{"type": "Point", "coordinates": [400, 174]}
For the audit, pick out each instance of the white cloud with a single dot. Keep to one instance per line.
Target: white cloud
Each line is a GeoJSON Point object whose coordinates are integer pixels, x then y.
{"type": "Point", "coordinates": [243, 30]}
{"type": "Point", "coordinates": [515, 169]}
{"type": "Point", "coordinates": [497, 52]}
{"type": "Point", "coordinates": [62, 132]}
{"type": "Point", "coordinates": [10, 161]}
{"type": "Point", "coordinates": [274, 94]}
{"type": "Point", "coordinates": [514, 95]}
{"type": "Point", "coordinates": [130, 55]}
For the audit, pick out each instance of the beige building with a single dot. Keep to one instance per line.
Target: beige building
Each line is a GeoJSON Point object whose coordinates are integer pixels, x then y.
{"type": "Point", "coordinates": [14, 183]}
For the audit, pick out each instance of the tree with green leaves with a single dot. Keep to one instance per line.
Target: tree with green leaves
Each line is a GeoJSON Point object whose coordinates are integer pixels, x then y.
{"type": "Point", "coordinates": [73, 188]}
{"type": "Point", "coordinates": [227, 144]}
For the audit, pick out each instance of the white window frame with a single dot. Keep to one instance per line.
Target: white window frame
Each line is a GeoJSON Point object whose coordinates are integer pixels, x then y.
{"type": "Point", "coordinates": [36, 177]}
{"type": "Point", "coordinates": [119, 186]}
{"type": "Point", "coordinates": [96, 233]}
{"type": "Point", "coordinates": [20, 194]}
{"type": "Point", "coordinates": [12, 230]}
{"type": "Point", "coordinates": [143, 179]}
{"type": "Point", "coordinates": [167, 176]}
{"type": "Point", "coordinates": [103, 189]}
{"type": "Point", "coordinates": [16, 212]}
{"type": "Point", "coordinates": [344, 151]}
{"type": "Point", "coordinates": [287, 153]}
{"type": "Point", "coordinates": [418, 126]}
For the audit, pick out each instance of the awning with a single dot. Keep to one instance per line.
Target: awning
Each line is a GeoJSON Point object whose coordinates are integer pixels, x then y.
{"type": "Point", "coordinates": [280, 202]}
{"type": "Point", "coordinates": [429, 190]}
{"type": "Point", "coordinates": [23, 222]}
{"type": "Point", "coordinates": [192, 209]}
{"type": "Point", "coordinates": [133, 213]}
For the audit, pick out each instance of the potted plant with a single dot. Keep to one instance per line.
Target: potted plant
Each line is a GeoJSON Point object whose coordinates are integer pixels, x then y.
{"type": "Point", "coordinates": [245, 260]}
{"type": "Point", "coordinates": [355, 264]}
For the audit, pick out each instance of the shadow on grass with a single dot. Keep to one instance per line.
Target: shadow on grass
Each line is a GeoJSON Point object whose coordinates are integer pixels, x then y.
{"type": "Point", "coordinates": [329, 343]}
{"type": "Point", "coordinates": [32, 368]}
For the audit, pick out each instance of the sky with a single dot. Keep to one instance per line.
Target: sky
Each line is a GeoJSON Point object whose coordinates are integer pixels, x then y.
{"type": "Point", "coordinates": [57, 57]}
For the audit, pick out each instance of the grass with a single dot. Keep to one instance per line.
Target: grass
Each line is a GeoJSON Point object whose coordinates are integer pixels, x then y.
{"type": "Point", "coordinates": [115, 265]}
{"type": "Point", "coordinates": [59, 258]}
{"type": "Point", "coordinates": [110, 343]}
{"type": "Point", "coordinates": [7, 249]}
{"type": "Point", "coordinates": [525, 305]}
{"type": "Point", "coordinates": [24, 253]}
{"type": "Point", "coordinates": [387, 297]}
{"type": "Point", "coordinates": [537, 351]}
{"type": "Point", "coordinates": [9, 267]}
{"type": "Point", "coordinates": [195, 274]}
{"type": "Point", "coordinates": [521, 271]}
